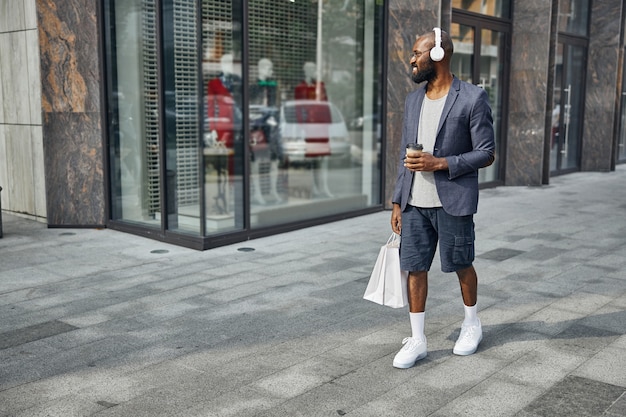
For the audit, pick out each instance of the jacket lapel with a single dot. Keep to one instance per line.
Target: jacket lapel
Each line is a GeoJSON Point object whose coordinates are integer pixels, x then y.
{"type": "Point", "coordinates": [415, 110]}
{"type": "Point", "coordinates": [453, 94]}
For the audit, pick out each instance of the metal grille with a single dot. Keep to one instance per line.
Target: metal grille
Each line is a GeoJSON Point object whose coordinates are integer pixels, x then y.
{"type": "Point", "coordinates": [217, 31]}
{"type": "Point", "coordinates": [284, 32]}
{"type": "Point", "coordinates": [186, 87]}
{"type": "Point", "coordinates": [150, 103]}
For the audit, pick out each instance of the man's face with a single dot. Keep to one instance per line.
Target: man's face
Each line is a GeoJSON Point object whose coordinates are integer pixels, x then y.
{"type": "Point", "coordinates": [422, 67]}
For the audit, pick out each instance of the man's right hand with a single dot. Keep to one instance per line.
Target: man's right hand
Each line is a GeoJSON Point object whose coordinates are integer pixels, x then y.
{"type": "Point", "coordinates": [396, 218]}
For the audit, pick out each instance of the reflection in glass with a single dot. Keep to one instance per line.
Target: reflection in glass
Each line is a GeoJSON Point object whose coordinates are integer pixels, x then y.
{"type": "Point", "coordinates": [574, 16]}
{"type": "Point", "coordinates": [314, 109]}
{"type": "Point", "coordinates": [496, 8]}
{"type": "Point", "coordinates": [490, 76]}
{"type": "Point", "coordinates": [182, 112]}
{"type": "Point", "coordinates": [134, 115]}
{"type": "Point", "coordinates": [177, 141]}
{"type": "Point", "coordinates": [491, 79]}
{"type": "Point", "coordinates": [567, 108]}
{"type": "Point", "coordinates": [555, 131]}
{"type": "Point", "coordinates": [265, 137]}
{"type": "Point", "coordinates": [223, 123]}
{"type": "Point", "coordinates": [462, 63]}
{"type": "Point", "coordinates": [621, 144]}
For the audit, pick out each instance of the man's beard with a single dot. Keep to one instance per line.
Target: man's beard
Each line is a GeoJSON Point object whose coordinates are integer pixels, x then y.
{"type": "Point", "coordinates": [426, 74]}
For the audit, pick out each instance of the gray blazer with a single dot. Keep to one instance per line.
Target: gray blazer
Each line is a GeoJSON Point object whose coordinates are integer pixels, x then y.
{"type": "Point", "coordinates": [465, 137]}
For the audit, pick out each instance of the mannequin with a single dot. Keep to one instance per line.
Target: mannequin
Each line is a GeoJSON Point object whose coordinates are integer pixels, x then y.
{"type": "Point", "coordinates": [264, 94]}
{"type": "Point", "coordinates": [222, 110]}
{"type": "Point", "coordinates": [223, 125]}
{"type": "Point", "coordinates": [312, 89]}
{"type": "Point", "coordinates": [264, 91]}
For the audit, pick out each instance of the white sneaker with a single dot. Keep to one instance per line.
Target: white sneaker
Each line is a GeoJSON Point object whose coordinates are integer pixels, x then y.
{"type": "Point", "coordinates": [468, 340]}
{"type": "Point", "coordinates": [412, 351]}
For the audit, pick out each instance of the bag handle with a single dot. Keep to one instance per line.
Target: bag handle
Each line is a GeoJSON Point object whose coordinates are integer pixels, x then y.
{"type": "Point", "coordinates": [394, 239]}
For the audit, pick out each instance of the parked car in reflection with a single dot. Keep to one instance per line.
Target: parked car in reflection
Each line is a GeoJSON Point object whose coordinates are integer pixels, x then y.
{"type": "Point", "coordinates": [370, 121]}
{"type": "Point", "coordinates": [311, 129]}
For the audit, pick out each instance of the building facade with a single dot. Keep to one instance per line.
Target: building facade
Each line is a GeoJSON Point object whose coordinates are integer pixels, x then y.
{"type": "Point", "coordinates": [208, 122]}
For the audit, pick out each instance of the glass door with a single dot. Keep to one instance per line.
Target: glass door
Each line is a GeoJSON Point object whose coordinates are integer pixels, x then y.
{"type": "Point", "coordinates": [479, 58]}
{"type": "Point", "coordinates": [567, 108]}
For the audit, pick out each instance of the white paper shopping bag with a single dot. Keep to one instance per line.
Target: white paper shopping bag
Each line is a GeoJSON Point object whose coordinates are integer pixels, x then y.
{"type": "Point", "coordinates": [387, 284]}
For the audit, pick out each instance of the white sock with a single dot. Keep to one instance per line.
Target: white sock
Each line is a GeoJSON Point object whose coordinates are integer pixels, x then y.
{"type": "Point", "coordinates": [417, 325]}
{"type": "Point", "coordinates": [470, 315]}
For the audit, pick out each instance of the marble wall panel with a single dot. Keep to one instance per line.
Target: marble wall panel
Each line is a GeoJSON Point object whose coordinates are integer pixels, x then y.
{"type": "Point", "coordinates": [4, 77]}
{"type": "Point", "coordinates": [11, 15]}
{"type": "Point", "coordinates": [9, 111]}
{"type": "Point", "coordinates": [68, 37]}
{"type": "Point", "coordinates": [72, 129]}
{"type": "Point", "coordinates": [394, 135]}
{"type": "Point", "coordinates": [14, 74]}
{"type": "Point", "coordinates": [34, 76]}
{"type": "Point", "coordinates": [602, 81]}
{"type": "Point", "coordinates": [20, 80]}
{"type": "Point", "coordinates": [4, 174]}
{"type": "Point", "coordinates": [72, 145]}
{"type": "Point", "coordinates": [528, 91]}
{"type": "Point", "coordinates": [407, 20]}
{"type": "Point", "coordinates": [20, 169]}
{"type": "Point", "coordinates": [21, 163]}
{"type": "Point", "coordinates": [30, 14]}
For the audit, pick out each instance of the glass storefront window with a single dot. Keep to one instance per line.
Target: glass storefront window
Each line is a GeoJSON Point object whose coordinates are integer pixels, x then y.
{"type": "Point", "coordinates": [574, 17]}
{"type": "Point", "coordinates": [313, 109]}
{"type": "Point", "coordinates": [216, 130]}
{"type": "Point", "coordinates": [496, 8]}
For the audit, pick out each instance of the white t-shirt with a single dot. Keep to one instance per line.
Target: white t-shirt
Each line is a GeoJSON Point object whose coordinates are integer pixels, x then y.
{"type": "Point", "coordinates": [424, 192]}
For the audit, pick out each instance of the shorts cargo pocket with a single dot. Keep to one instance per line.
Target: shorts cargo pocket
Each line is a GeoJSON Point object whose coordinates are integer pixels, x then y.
{"type": "Point", "coordinates": [463, 250]}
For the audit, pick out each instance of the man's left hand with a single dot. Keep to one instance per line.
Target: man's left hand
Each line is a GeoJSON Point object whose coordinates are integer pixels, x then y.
{"type": "Point", "coordinates": [425, 162]}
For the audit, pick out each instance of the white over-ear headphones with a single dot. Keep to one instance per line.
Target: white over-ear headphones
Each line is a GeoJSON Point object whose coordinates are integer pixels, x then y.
{"type": "Point", "coordinates": [437, 53]}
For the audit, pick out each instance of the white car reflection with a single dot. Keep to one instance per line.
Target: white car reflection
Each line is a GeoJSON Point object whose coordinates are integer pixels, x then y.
{"type": "Point", "coordinates": [312, 129]}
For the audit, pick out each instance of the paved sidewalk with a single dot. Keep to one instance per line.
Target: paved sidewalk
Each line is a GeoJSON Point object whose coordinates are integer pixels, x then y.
{"type": "Point", "coordinates": [102, 323]}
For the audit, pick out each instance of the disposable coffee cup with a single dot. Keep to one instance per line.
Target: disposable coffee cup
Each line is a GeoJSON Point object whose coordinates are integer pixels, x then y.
{"type": "Point", "coordinates": [413, 147]}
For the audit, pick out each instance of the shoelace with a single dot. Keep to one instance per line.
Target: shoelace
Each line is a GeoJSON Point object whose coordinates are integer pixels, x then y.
{"type": "Point", "coordinates": [409, 343]}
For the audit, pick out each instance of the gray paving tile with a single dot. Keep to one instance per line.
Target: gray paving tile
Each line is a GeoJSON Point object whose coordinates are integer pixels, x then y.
{"type": "Point", "coordinates": [596, 368]}
{"type": "Point", "coordinates": [575, 396]}
{"type": "Point", "coordinates": [68, 406]}
{"type": "Point", "coordinates": [500, 254]}
{"type": "Point", "coordinates": [493, 397]}
{"type": "Point", "coordinates": [618, 409]}
{"type": "Point", "coordinates": [31, 333]}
